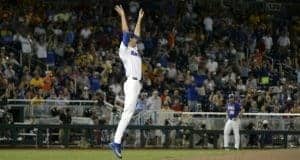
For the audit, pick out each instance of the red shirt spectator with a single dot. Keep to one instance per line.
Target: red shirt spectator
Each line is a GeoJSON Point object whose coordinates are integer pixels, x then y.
{"type": "Point", "coordinates": [177, 106]}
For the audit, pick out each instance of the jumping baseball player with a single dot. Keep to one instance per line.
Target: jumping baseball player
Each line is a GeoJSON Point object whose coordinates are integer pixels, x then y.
{"type": "Point", "coordinates": [233, 122]}
{"type": "Point", "coordinates": [132, 62]}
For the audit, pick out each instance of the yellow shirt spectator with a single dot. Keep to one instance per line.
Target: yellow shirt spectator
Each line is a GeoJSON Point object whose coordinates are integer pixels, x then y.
{"type": "Point", "coordinates": [37, 82]}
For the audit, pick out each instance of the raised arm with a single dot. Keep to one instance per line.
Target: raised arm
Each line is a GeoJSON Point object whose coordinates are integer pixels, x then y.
{"type": "Point", "coordinates": [121, 13]}
{"type": "Point", "coordinates": [137, 30]}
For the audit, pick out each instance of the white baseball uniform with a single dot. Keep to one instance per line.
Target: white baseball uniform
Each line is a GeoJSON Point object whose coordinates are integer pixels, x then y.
{"type": "Point", "coordinates": [233, 123]}
{"type": "Point", "coordinates": [132, 63]}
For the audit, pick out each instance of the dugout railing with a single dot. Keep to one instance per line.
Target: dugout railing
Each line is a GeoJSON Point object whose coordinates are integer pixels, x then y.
{"type": "Point", "coordinates": [40, 136]}
{"type": "Point", "coordinates": [148, 129]}
{"type": "Point", "coordinates": [216, 120]}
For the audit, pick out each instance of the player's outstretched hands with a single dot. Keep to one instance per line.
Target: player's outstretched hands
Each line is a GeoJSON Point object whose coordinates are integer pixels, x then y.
{"type": "Point", "coordinates": [141, 14]}
{"type": "Point", "coordinates": [120, 10]}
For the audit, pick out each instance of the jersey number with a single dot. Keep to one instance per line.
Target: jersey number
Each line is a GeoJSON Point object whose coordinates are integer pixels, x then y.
{"type": "Point", "coordinates": [134, 53]}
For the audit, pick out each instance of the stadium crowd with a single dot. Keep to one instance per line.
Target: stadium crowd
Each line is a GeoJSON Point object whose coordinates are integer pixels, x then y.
{"type": "Point", "coordinates": [193, 57]}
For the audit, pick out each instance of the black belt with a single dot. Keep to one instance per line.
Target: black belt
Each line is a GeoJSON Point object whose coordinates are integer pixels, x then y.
{"type": "Point", "coordinates": [134, 78]}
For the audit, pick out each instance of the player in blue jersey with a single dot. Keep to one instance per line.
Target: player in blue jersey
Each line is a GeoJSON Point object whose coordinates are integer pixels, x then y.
{"type": "Point", "coordinates": [233, 109]}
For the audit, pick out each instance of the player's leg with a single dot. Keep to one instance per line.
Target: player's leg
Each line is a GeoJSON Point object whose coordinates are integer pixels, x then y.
{"type": "Point", "coordinates": [131, 90]}
{"type": "Point", "coordinates": [227, 129]}
{"type": "Point", "coordinates": [236, 131]}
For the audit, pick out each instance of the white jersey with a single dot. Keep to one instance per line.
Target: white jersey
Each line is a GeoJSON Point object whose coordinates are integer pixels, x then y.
{"type": "Point", "coordinates": [132, 61]}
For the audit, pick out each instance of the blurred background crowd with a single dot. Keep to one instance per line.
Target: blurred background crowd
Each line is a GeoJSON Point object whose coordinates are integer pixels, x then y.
{"type": "Point", "coordinates": [194, 56]}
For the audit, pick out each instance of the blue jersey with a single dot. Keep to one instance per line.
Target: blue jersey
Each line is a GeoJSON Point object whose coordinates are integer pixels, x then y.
{"type": "Point", "coordinates": [233, 109]}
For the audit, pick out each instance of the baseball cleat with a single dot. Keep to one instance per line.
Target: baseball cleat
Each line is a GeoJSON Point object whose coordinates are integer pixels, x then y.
{"type": "Point", "coordinates": [116, 148]}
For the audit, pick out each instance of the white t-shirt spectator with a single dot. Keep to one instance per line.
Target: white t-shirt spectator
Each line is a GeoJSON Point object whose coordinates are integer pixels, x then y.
{"type": "Point", "coordinates": [154, 103]}
{"type": "Point", "coordinates": [41, 50]}
{"type": "Point", "coordinates": [57, 32]}
{"type": "Point", "coordinates": [162, 41]}
{"type": "Point", "coordinates": [241, 87]}
{"type": "Point", "coordinates": [212, 66]}
{"type": "Point", "coordinates": [172, 73]}
{"type": "Point", "coordinates": [252, 83]}
{"type": "Point", "coordinates": [39, 30]}
{"type": "Point", "coordinates": [85, 33]}
{"type": "Point", "coordinates": [9, 73]}
{"type": "Point", "coordinates": [134, 6]}
{"type": "Point", "coordinates": [25, 43]}
{"type": "Point", "coordinates": [116, 88]}
{"type": "Point", "coordinates": [208, 23]}
{"type": "Point", "coordinates": [210, 84]}
{"type": "Point", "coordinates": [284, 41]}
{"type": "Point", "coordinates": [268, 41]}
{"type": "Point", "coordinates": [233, 77]}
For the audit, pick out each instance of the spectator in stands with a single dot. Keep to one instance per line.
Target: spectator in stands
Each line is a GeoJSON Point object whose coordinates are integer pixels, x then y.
{"type": "Point", "coordinates": [208, 25]}
{"type": "Point", "coordinates": [26, 43]}
{"type": "Point", "coordinates": [284, 43]}
{"type": "Point", "coordinates": [268, 42]}
{"type": "Point", "coordinates": [3, 58]}
{"type": "Point", "coordinates": [95, 82]}
{"type": "Point", "coordinates": [37, 104]}
{"type": "Point", "coordinates": [85, 32]}
{"type": "Point", "coordinates": [211, 66]}
{"type": "Point", "coordinates": [83, 80]}
{"type": "Point", "coordinates": [209, 84]}
{"type": "Point", "coordinates": [245, 70]}
{"type": "Point", "coordinates": [284, 40]}
{"type": "Point", "coordinates": [296, 108]}
{"type": "Point", "coordinates": [216, 99]}
{"type": "Point", "coordinates": [10, 73]}
{"type": "Point", "coordinates": [154, 102]}
{"type": "Point", "coordinates": [176, 95]}
{"type": "Point", "coordinates": [192, 96]}
{"type": "Point", "coordinates": [66, 118]}
{"type": "Point", "coordinates": [252, 137]}
{"type": "Point", "coordinates": [240, 86]}
{"type": "Point", "coordinates": [12, 60]}
{"type": "Point", "coordinates": [48, 81]}
{"type": "Point", "coordinates": [40, 47]}
{"type": "Point", "coordinates": [228, 47]}
{"type": "Point", "coordinates": [37, 81]}
{"type": "Point", "coordinates": [85, 94]}
{"type": "Point", "coordinates": [141, 103]}
{"type": "Point", "coordinates": [266, 137]}
{"type": "Point", "coordinates": [115, 87]}
{"type": "Point", "coordinates": [177, 105]}
{"type": "Point", "coordinates": [252, 83]}
{"type": "Point", "coordinates": [171, 72]}
{"type": "Point", "coordinates": [166, 100]}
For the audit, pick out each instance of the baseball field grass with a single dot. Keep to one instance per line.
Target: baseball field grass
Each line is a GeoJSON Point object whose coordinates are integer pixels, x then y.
{"type": "Point", "coordinates": [93, 154]}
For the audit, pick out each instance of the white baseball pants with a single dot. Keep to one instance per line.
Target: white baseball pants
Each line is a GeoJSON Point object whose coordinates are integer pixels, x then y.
{"type": "Point", "coordinates": [235, 126]}
{"type": "Point", "coordinates": [132, 89]}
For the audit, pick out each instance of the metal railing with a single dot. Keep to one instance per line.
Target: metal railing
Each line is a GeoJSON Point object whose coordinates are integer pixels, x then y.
{"type": "Point", "coordinates": [30, 108]}
{"type": "Point", "coordinates": [182, 130]}
{"type": "Point", "coordinates": [86, 136]}
{"type": "Point", "coordinates": [216, 120]}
